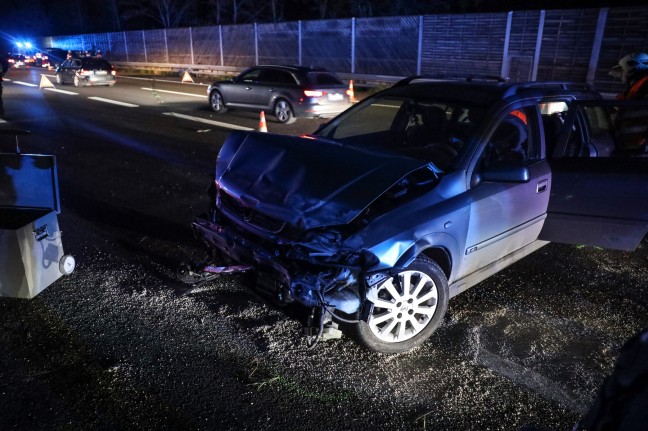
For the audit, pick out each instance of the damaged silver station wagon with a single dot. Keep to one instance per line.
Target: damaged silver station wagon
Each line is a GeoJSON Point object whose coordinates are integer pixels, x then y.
{"type": "Point", "coordinates": [419, 192]}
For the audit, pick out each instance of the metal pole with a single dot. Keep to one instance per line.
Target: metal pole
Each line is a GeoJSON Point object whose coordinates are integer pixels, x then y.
{"type": "Point", "coordinates": [144, 42]}
{"type": "Point", "coordinates": [299, 38]}
{"type": "Point", "coordinates": [191, 45]}
{"type": "Point", "coordinates": [126, 47]}
{"type": "Point", "coordinates": [353, 24]}
{"type": "Point", "coordinates": [506, 59]}
{"type": "Point", "coordinates": [596, 46]}
{"type": "Point", "coordinates": [166, 46]}
{"type": "Point", "coordinates": [419, 59]}
{"type": "Point", "coordinates": [220, 41]}
{"type": "Point", "coordinates": [536, 57]}
{"type": "Point", "coordinates": [256, 45]}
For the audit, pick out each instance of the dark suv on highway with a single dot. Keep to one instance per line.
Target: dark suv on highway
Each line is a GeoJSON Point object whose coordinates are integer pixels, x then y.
{"type": "Point", "coordinates": [285, 91]}
{"type": "Point", "coordinates": [86, 71]}
{"type": "Point", "coordinates": [421, 191]}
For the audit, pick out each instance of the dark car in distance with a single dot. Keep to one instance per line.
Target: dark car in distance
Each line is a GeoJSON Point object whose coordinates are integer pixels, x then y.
{"type": "Point", "coordinates": [287, 92]}
{"type": "Point", "coordinates": [86, 71]}
{"type": "Point", "coordinates": [420, 192]}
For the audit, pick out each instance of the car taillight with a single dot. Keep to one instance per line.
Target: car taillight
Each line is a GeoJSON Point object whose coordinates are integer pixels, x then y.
{"type": "Point", "coordinates": [314, 93]}
{"type": "Point", "coordinates": [113, 73]}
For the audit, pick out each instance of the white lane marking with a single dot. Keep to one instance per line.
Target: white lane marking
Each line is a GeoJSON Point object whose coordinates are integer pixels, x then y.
{"type": "Point", "coordinates": [114, 102]}
{"type": "Point", "coordinates": [6, 79]}
{"type": "Point", "coordinates": [2, 121]}
{"type": "Point", "coordinates": [71, 93]}
{"type": "Point", "coordinates": [175, 92]}
{"type": "Point", "coordinates": [213, 123]}
{"type": "Point", "coordinates": [27, 84]}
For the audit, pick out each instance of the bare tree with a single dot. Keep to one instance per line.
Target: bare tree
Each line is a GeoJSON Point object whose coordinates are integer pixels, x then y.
{"type": "Point", "coordinates": [167, 13]}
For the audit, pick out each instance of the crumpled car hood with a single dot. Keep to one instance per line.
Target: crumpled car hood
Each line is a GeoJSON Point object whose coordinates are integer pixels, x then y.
{"type": "Point", "coordinates": [305, 181]}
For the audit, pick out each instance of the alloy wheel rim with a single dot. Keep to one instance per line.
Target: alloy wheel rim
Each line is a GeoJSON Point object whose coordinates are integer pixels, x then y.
{"type": "Point", "coordinates": [401, 313]}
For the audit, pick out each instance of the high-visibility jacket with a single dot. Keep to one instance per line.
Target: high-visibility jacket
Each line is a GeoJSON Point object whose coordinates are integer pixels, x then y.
{"type": "Point", "coordinates": [632, 124]}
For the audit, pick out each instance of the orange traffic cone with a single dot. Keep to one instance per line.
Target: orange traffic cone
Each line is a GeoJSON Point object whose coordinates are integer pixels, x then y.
{"type": "Point", "coordinates": [351, 93]}
{"type": "Point", "coordinates": [262, 123]}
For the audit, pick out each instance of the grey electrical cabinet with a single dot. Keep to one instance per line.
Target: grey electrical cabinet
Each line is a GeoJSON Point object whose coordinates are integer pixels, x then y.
{"type": "Point", "coordinates": [31, 250]}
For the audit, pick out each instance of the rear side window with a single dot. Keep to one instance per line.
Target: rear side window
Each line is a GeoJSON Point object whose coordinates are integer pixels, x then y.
{"type": "Point", "coordinates": [321, 78]}
{"type": "Point", "coordinates": [96, 64]}
{"type": "Point", "coordinates": [274, 76]}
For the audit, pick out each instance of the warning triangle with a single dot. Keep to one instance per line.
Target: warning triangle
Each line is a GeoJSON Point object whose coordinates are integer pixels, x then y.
{"type": "Point", "coordinates": [45, 83]}
{"type": "Point", "coordinates": [187, 77]}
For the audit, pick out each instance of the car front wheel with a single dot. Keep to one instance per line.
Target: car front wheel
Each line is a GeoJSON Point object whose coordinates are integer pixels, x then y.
{"type": "Point", "coordinates": [407, 308]}
{"type": "Point", "coordinates": [283, 112]}
{"type": "Point", "coordinates": [77, 81]}
{"type": "Point", "coordinates": [216, 102]}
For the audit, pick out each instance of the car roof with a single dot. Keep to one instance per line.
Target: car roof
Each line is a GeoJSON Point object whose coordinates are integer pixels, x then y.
{"type": "Point", "coordinates": [487, 90]}
{"type": "Point", "coordinates": [292, 68]}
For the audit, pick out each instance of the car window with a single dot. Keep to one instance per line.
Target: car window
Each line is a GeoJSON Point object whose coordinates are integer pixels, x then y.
{"type": "Point", "coordinates": [323, 78]}
{"type": "Point", "coordinates": [512, 141]}
{"type": "Point", "coordinates": [67, 63]}
{"type": "Point", "coordinates": [95, 64]}
{"type": "Point", "coordinates": [250, 76]}
{"type": "Point", "coordinates": [433, 130]}
{"type": "Point", "coordinates": [609, 131]}
{"type": "Point", "coordinates": [76, 63]}
{"type": "Point", "coordinates": [274, 76]}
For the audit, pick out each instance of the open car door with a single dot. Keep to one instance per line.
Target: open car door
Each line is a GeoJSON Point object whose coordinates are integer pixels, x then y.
{"type": "Point", "coordinates": [599, 176]}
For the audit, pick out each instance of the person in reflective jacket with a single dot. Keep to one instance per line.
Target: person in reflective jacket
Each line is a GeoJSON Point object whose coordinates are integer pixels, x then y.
{"type": "Point", "coordinates": [631, 124]}
{"type": "Point", "coordinates": [633, 71]}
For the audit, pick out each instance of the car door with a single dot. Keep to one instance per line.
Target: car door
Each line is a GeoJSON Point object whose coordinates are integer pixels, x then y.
{"type": "Point", "coordinates": [599, 192]}
{"type": "Point", "coordinates": [241, 91]}
{"type": "Point", "coordinates": [509, 193]}
{"type": "Point", "coordinates": [272, 84]}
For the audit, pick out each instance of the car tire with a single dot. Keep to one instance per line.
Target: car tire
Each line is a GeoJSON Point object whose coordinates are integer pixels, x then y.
{"type": "Point", "coordinates": [415, 311]}
{"type": "Point", "coordinates": [283, 112]}
{"type": "Point", "coordinates": [77, 81]}
{"type": "Point", "coordinates": [59, 79]}
{"type": "Point", "coordinates": [217, 102]}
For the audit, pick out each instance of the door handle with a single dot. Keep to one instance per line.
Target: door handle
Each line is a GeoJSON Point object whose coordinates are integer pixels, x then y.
{"type": "Point", "coordinates": [248, 88]}
{"type": "Point", "coordinates": [541, 187]}
{"type": "Point", "coordinates": [272, 90]}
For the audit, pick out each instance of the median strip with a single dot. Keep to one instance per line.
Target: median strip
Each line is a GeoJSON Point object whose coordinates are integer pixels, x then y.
{"type": "Point", "coordinates": [212, 122]}
{"type": "Point", "coordinates": [114, 102]}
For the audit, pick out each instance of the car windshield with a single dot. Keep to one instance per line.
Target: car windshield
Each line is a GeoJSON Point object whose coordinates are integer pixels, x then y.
{"type": "Point", "coordinates": [434, 130]}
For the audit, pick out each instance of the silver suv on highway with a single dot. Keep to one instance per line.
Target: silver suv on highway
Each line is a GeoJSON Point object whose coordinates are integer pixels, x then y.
{"type": "Point", "coordinates": [421, 191]}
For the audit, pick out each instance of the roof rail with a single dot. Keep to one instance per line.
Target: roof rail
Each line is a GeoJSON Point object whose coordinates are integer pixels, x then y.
{"type": "Point", "coordinates": [557, 85]}
{"type": "Point", "coordinates": [456, 78]}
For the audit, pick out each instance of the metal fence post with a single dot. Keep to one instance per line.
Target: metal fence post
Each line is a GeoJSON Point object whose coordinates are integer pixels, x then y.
{"type": "Point", "coordinates": [419, 56]}
{"type": "Point", "coordinates": [220, 41]}
{"type": "Point", "coordinates": [299, 41]}
{"type": "Point", "coordinates": [536, 56]}
{"type": "Point", "coordinates": [144, 43]}
{"type": "Point", "coordinates": [126, 47]}
{"type": "Point", "coordinates": [256, 45]}
{"type": "Point", "coordinates": [353, 25]}
{"type": "Point", "coordinates": [596, 46]}
{"type": "Point", "coordinates": [166, 46]}
{"type": "Point", "coordinates": [191, 45]}
{"type": "Point", "coordinates": [506, 59]}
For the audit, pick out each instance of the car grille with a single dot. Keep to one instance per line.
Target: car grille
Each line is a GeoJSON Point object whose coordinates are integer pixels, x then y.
{"type": "Point", "coordinates": [250, 216]}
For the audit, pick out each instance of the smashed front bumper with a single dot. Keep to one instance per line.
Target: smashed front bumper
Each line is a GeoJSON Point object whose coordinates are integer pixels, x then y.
{"type": "Point", "coordinates": [282, 279]}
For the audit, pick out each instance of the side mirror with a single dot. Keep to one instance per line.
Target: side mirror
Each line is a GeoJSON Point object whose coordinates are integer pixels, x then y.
{"type": "Point", "coordinates": [502, 173]}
